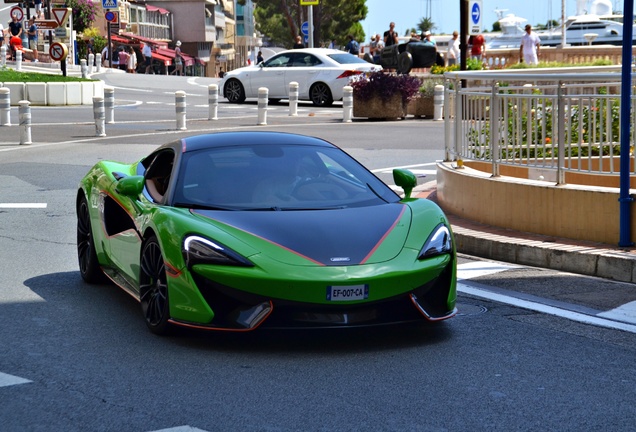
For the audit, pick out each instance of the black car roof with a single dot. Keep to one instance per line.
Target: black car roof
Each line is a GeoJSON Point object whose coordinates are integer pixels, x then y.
{"type": "Point", "coordinates": [224, 139]}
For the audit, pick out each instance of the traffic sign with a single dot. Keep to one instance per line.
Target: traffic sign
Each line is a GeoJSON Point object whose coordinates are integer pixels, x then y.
{"type": "Point", "coordinates": [60, 14]}
{"type": "Point", "coordinates": [58, 51]}
{"type": "Point", "coordinates": [112, 17]}
{"type": "Point", "coordinates": [17, 11]}
{"type": "Point", "coordinates": [309, 2]}
{"type": "Point", "coordinates": [475, 8]}
{"type": "Point", "coordinates": [110, 4]}
{"type": "Point", "coordinates": [304, 28]}
{"type": "Point", "coordinates": [46, 24]}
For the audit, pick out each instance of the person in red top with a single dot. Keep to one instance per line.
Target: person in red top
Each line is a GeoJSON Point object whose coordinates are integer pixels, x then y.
{"type": "Point", "coordinates": [477, 46]}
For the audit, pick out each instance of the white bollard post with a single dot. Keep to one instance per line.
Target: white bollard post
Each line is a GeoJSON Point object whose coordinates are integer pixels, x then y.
{"type": "Point", "coordinates": [109, 104]}
{"type": "Point", "coordinates": [180, 108]}
{"type": "Point", "coordinates": [263, 96]}
{"type": "Point", "coordinates": [293, 98]}
{"type": "Point", "coordinates": [438, 102]}
{"type": "Point", "coordinates": [347, 104]}
{"type": "Point", "coordinates": [91, 60]}
{"type": "Point", "coordinates": [99, 116]}
{"type": "Point", "coordinates": [98, 62]}
{"type": "Point", "coordinates": [5, 106]}
{"type": "Point", "coordinates": [83, 68]}
{"type": "Point", "coordinates": [18, 60]}
{"type": "Point", "coordinates": [213, 102]}
{"type": "Point", "coordinates": [25, 121]}
{"type": "Point", "coordinates": [3, 56]}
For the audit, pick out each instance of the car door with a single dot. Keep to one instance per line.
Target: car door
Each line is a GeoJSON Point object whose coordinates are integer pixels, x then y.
{"type": "Point", "coordinates": [303, 69]}
{"type": "Point", "coordinates": [271, 75]}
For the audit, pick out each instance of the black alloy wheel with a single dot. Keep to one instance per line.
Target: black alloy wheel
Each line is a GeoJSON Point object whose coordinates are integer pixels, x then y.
{"type": "Point", "coordinates": [86, 254]}
{"type": "Point", "coordinates": [153, 287]}
{"type": "Point", "coordinates": [234, 91]}
{"type": "Point", "coordinates": [320, 95]}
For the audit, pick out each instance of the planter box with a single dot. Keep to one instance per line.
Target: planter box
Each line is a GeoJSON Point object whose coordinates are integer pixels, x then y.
{"type": "Point", "coordinates": [379, 109]}
{"type": "Point", "coordinates": [422, 106]}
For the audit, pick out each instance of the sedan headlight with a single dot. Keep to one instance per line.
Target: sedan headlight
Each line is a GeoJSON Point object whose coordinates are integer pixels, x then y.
{"type": "Point", "coordinates": [199, 250]}
{"type": "Point", "coordinates": [440, 242]}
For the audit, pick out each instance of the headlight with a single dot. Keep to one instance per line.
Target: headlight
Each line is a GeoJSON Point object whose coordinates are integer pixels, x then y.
{"type": "Point", "coordinates": [199, 250]}
{"type": "Point", "coordinates": [439, 242]}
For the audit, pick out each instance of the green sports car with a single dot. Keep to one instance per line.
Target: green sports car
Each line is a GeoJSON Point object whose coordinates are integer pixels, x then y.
{"type": "Point", "coordinates": [243, 230]}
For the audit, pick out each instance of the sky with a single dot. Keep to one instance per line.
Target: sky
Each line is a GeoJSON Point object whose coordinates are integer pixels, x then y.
{"type": "Point", "coordinates": [445, 13]}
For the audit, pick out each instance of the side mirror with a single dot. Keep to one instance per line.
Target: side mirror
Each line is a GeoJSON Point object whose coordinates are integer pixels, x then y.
{"type": "Point", "coordinates": [130, 186]}
{"type": "Point", "coordinates": [406, 180]}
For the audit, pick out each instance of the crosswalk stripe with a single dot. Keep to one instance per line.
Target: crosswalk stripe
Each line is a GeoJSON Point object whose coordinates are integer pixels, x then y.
{"type": "Point", "coordinates": [9, 380]}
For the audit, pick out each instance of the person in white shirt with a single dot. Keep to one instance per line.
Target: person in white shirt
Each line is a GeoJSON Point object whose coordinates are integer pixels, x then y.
{"type": "Point", "coordinates": [529, 50]}
{"type": "Point", "coordinates": [453, 53]}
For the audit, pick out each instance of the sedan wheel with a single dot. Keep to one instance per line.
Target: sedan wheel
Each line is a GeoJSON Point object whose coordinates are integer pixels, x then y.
{"type": "Point", "coordinates": [320, 95]}
{"type": "Point", "coordinates": [86, 254]}
{"type": "Point", "coordinates": [234, 91]}
{"type": "Point", "coordinates": [153, 287]}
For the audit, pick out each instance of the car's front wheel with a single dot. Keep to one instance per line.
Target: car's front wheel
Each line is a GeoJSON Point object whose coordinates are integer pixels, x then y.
{"type": "Point", "coordinates": [320, 95]}
{"type": "Point", "coordinates": [86, 254]}
{"type": "Point", "coordinates": [234, 91]}
{"type": "Point", "coordinates": [153, 287]}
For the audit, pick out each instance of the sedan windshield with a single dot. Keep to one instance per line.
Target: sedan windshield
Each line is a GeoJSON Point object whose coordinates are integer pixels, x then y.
{"type": "Point", "coordinates": [277, 177]}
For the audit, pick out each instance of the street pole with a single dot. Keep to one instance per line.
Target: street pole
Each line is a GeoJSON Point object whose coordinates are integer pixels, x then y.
{"type": "Point", "coordinates": [310, 19]}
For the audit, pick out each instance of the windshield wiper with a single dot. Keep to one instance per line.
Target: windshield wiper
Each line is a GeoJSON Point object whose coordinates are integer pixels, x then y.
{"type": "Point", "coordinates": [376, 193]}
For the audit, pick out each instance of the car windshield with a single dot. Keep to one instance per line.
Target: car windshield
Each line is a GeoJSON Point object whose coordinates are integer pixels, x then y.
{"type": "Point", "coordinates": [276, 177]}
{"type": "Point", "coordinates": [346, 58]}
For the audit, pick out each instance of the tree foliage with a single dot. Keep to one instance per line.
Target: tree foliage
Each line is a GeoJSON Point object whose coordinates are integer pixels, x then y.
{"type": "Point", "coordinates": [281, 20]}
{"type": "Point", "coordinates": [426, 24]}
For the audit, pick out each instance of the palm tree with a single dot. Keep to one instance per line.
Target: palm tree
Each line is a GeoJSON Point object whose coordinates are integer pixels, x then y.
{"type": "Point", "coordinates": [426, 24]}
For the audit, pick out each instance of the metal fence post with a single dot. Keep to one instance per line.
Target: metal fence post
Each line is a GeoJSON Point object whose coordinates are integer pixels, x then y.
{"type": "Point", "coordinates": [5, 106]}
{"type": "Point", "coordinates": [293, 98]}
{"type": "Point", "coordinates": [25, 121]}
{"type": "Point", "coordinates": [109, 104]}
{"type": "Point", "coordinates": [263, 93]}
{"type": "Point", "coordinates": [561, 133]}
{"type": "Point", "coordinates": [447, 121]}
{"type": "Point", "coordinates": [180, 108]}
{"type": "Point", "coordinates": [213, 102]}
{"type": "Point", "coordinates": [347, 104]}
{"type": "Point", "coordinates": [99, 116]}
{"type": "Point", "coordinates": [494, 128]}
{"type": "Point", "coordinates": [459, 138]}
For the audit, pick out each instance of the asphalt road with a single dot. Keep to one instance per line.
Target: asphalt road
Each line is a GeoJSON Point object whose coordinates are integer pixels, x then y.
{"type": "Point", "coordinates": [77, 357]}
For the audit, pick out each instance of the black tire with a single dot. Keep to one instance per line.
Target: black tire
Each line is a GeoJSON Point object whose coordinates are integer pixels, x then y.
{"type": "Point", "coordinates": [405, 63]}
{"type": "Point", "coordinates": [153, 287]}
{"type": "Point", "coordinates": [234, 91]}
{"type": "Point", "coordinates": [320, 95]}
{"type": "Point", "coordinates": [89, 267]}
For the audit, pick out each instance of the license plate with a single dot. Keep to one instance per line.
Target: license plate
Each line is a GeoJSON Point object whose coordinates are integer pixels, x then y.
{"type": "Point", "coordinates": [347, 293]}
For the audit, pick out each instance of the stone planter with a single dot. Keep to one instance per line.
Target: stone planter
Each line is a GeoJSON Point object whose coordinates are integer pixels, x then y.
{"type": "Point", "coordinates": [376, 108]}
{"type": "Point", "coordinates": [422, 106]}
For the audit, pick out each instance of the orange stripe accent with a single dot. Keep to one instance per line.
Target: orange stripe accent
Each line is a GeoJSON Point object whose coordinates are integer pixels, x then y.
{"type": "Point", "coordinates": [377, 245]}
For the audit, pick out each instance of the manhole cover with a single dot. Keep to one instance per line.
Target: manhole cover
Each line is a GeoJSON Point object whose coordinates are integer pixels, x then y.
{"type": "Point", "coordinates": [467, 309]}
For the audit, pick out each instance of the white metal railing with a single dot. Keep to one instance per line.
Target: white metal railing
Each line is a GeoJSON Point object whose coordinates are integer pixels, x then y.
{"type": "Point", "coordinates": [559, 120]}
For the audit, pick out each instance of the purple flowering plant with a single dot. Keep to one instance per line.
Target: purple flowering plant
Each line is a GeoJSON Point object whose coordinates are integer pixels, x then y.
{"type": "Point", "coordinates": [83, 14]}
{"type": "Point", "coordinates": [385, 85]}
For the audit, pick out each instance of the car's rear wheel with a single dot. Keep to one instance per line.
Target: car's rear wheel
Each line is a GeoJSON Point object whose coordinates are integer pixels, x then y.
{"type": "Point", "coordinates": [86, 254]}
{"type": "Point", "coordinates": [153, 287]}
{"type": "Point", "coordinates": [320, 95]}
{"type": "Point", "coordinates": [234, 91]}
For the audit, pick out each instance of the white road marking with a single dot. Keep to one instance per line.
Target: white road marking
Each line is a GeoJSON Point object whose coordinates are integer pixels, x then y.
{"type": "Point", "coordinates": [23, 205]}
{"type": "Point", "coordinates": [390, 169]}
{"type": "Point", "coordinates": [625, 313]}
{"type": "Point", "coordinates": [481, 268]}
{"type": "Point", "coordinates": [9, 380]}
{"type": "Point", "coordinates": [185, 428]}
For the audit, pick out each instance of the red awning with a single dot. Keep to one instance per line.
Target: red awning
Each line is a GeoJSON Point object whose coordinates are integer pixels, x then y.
{"type": "Point", "coordinates": [151, 41]}
{"type": "Point", "coordinates": [166, 60]}
{"type": "Point", "coordinates": [187, 60]}
{"type": "Point", "coordinates": [119, 39]}
{"type": "Point", "coordinates": [162, 11]}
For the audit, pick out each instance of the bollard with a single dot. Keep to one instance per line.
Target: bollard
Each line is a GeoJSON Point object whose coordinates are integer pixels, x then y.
{"type": "Point", "coordinates": [109, 104]}
{"type": "Point", "coordinates": [347, 104]}
{"type": "Point", "coordinates": [99, 116]}
{"type": "Point", "coordinates": [438, 102]}
{"type": "Point", "coordinates": [5, 106]}
{"type": "Point", "coordinates": [18, 60]}
{"type": "Point", "coordinates": [293, 98]}
{"type": "Point", "coordinates": [83, 68]}
{"type": "Point", "coordinates": [3, 56]}
{"type": "Point", "coordinates": [213, 101]}
{"type": "Point", "coordinates": [91, 60]}
{"type": "Point", "coordinates": [180, 108]}
{"type": "Point", "coordinates": [25, 121]}
{"type": "Point", "coordinates": [263, 93]}
{"type": "Point", "coordinates": [98, 62]}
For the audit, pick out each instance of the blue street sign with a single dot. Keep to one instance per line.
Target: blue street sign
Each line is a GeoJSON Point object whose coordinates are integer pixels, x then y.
{"type": "Point", "coordinates": [305, 28]}
{"type": "Point", "coordinates": [110, 4]}
{"type": "Point", "coordinates": [475, 13]}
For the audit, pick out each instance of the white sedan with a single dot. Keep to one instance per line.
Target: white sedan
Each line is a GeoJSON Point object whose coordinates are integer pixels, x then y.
{"type": "Point", "coordinates": [320, 73]}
